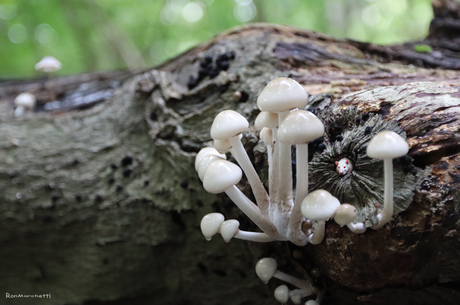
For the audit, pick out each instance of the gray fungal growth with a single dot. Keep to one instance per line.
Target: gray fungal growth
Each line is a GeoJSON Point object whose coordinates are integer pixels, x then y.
{"type": "Point", "coordinates": [363, 187]}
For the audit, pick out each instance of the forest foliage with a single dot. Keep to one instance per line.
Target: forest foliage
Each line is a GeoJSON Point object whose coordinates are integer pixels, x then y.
{"type": "Point", "coordinates": [98, 35]}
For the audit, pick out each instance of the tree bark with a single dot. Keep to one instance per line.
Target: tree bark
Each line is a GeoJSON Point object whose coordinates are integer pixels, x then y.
{"type": "Point", "coordinates": [100, 202]}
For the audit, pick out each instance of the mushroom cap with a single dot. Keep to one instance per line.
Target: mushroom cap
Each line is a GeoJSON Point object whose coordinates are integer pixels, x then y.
{"type": "Point", "coordinates": [266, 268]}
{"type": "Point", "coordinates": [227, 124]}
{"type": "Point", "coordinates": [266, 119]}
{"type": "Point", "coordinates": [345, 214]}
{"type": "Point", "coordinates": [266, 135]}
{"type": "Point", "coordinates": [48, 64]}
{"type": "Point", "coordinates": [229, 228]}
{"type": "Point", "coordinates": [221, 175]}
{"type": "Point", "coordinates": [204, 152]}
{"type": "Point", "coordinates": [282, 294]}
{"type": "Point", "coordinates": [300, 127]}
{"type": "Point", "coordinates": [210, 224]}
{"type": "Point", "coordinates": [26, 100]}
{"type": "Point", "coordinates": [319, 205]}
{"type": "Point", "coordinates": [282, 94]}
{"type": "Point", "coordinates": [204, 164]}
{"type": "Point", "coordinates": [311, 302]}
{"type": "Point", "coordinates": [387, 145]}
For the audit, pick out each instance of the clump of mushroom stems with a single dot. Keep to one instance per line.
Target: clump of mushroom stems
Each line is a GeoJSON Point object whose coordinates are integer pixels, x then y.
{"type": "Point", "coordinates": [278, 213]}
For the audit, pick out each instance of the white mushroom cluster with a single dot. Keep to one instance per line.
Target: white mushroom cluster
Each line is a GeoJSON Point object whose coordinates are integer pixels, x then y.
{"type": "Point", "coordinates": [267, 268]}
{"type": "Point", "coordinates": [282, 214]}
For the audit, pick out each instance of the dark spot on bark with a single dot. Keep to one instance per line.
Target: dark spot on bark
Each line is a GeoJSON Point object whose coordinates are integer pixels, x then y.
{"type": "Point", "coordinates": [368, 130]}
{"type": "Point", "coordinates": [202, 72]}
{"type": "Point", "coordinates": [153, 116]}
{"type": "Point", "coordinates": [231, 55]}
{"type": "Point", "coordinates": [222, 57]}
{"type": "Point", "coordinates": [442, 165]}
{"type": "Point", "coordinates": [50, 186]}
{"type": "Point", "coordinates": [339, 138]}
{"type": "Point", "coordinates": [54, 199]}
{"type": "Point", "coordinates": [358, 121]}
{"type": "Point", "coordinates": [184, 184]}
{"type": "Point", "coordinates": [78, 198]}
{"type": "Point", "coordinates": [365, 117]}
{"type": "Point", "coordinates": [111, 180]}
{"type": "Point", "coordinates": [76, 161]}
{"type": "Point", "coordinates": [199, 203]}
{"type": "Point", "coordinates": [385, 108]}
{"type": "Point", "coordinates": [118, 188]}
{"type": "Point", "coordinates": [337, 128]}
{"type": "Point", "coordinates": [457, 167]}
{"type": "Point", "coordinates": [242, 274]}
{"type": "Point", "coordinates": [177, 219]}
{"type": "Point", "coordinates": [127, 172]}
{"type": "Point", "coordinates": [224, 65]}
{"type": "Point", "coordinates": [321, 147]}
{"type": "Point", "coordinates": [222, 88]}
{"type": "Point", "coordinates": [207, 59]}
{"type": "Point", "coordinates": [128, 160]}
{"type": "Point", "coordinates": [221, 273]}
{"type": "Point", "coordinates": [98, 198]}
{"type": "Point", "coordinates": [213, 72]}
{"type": "Point", "coordinates": [146, 182]}
{"type": "Point", "coordinates": [244, 97]}
{"type": "Point", "coordinates": [364, 256]}
{"type": "Point", "coordinates": [114, 166]}
{"type": "Point", "coordinates": [47, 219]}
{"type": "Point", "coordinates": [455, 177]}
{"type": "Point", "coordinates": [105, 261]}
{"type": "Point", "coordinates": [192, 83]}
{"type": "Point", "coordinates": [202, 267]}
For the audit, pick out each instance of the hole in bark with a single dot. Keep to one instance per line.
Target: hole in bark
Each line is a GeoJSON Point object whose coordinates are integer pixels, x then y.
{"type": "Point", "coordinates": [424, 160]}
{"type": "Point", "coordinates": [202, 268]}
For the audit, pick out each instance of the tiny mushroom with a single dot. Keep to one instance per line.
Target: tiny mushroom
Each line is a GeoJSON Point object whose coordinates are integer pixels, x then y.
{"type": "Point", "coordinates": [387, 145]}
{"type": "Point", "coordinates": [266, 268]}
{"type": "Point", "coordinates": [23, 102]}
{"type": "Point", "coordinates": [282, 294]}
{"type": "Point", "coordinates": [345, 215]}
{"type": "Point", "coordinates": [49, 64]}
{"type": "Point", "coordinates": [319, 206]}
{"type": "Point", "coordinates": [210, 225]}
{"type": "Point", "coordinates": [204, 152]}
{"type": "Point", "coordinates": [228, 229]}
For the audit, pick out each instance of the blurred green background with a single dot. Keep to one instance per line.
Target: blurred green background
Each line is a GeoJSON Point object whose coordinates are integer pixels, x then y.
{"type": "Point", "coordinates": [99, 35]}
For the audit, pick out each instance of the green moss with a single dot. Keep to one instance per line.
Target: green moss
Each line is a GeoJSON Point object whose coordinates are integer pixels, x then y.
{"type": "Point", "coordinates": [422, 48]}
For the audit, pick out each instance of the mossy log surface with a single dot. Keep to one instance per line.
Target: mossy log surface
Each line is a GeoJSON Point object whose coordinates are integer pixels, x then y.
{"type": "Point", "coordinates": [101, 204]}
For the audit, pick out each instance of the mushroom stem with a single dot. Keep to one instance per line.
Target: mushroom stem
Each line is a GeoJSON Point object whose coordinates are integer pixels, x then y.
{"type": "Point", "coordinates": [254, 236]}
{"type": "Point", "coordinates": [301, 284]}
{"type": "Point", "coordinates": [304, 292]}
{"type": "Point", "coordinates": [273, 177]}
{"type": "Point", "coordinates": [296, 235]}
{"type": "Point", "coordinates": [253, 212]}
{"type": "Point", "coordinates": [318, 233]}
{"type": "Point", "coordinates": [20, 110]}
{"type": "Point", "coordinates": [258, 188]}
{"type": "Point", "coordinates": [357, 228]}
{"type": "Point", "coordinates": [387, 213]}
{"type": "Point", "coordinates": [284, 202]}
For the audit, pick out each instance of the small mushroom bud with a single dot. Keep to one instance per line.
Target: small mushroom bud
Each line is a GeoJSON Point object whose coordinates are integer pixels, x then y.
{"type": "Point", "coordinates": [345, 214]}
{"type": "Point", "coordinates": [266, 268]}
{"type": "Point", "coordinates": [266, 119]}
{"type": "Point", "coordinates": [228, 229]}
{"type": "Point", "coordinates": [210, 225]}
{"type": "Point", "coordinates": [282, 294]}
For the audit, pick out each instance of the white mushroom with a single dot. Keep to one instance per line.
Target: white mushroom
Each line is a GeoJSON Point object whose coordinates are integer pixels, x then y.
{"type": "Point", "coordinates": [210, 224]}
{"type": "Point", "coordinates": [319, 206]}
{"type": "Point", "coordinates": [48, 64]}
{"type": "Point", "coordinates": [23, 102]}
{"type": "Point", "coordinates": [228, 125]}
{"type": "Point", "coordinates": [282, 294]}
{"type": "Point", "coordinates": [204, 164]}
{"type": "Point", "coordinates": [280, 96]}
{"type": "Point", "coordinates": [266, 119]}
{"type": "Point", "coordinates": [299, 128]}
{"type": "Point", "coordinates": [387, 145]}
{"type": "Point", "coordinates": [204, 152]}
{"type": "Point", "coordinates": [221, 176]}
{"type": "Point", "coordinates": [345, 215]}
{"type": "Point", "coordinates": [266, 268]}
{"type": "Point", "coordinates": [230, 229]}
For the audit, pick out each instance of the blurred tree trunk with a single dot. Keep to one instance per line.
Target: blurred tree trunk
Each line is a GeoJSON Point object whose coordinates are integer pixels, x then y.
{"type": "Point", "coordinates": [100, 202]}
